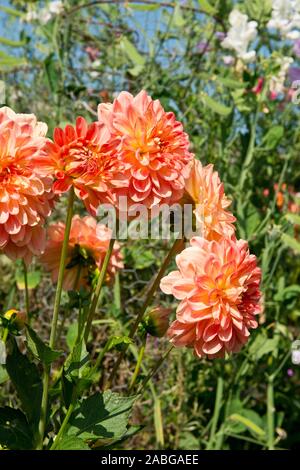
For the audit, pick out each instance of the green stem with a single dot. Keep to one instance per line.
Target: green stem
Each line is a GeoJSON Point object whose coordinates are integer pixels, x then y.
{"type": "Point", "coordinates": [47, 371]}
{"type": "Point", "coordinates": [155, 369]}
{"type": "Point", "coordinates": [270, 413]}
{"type": "Point", "coordinates": [218, 403]}
{"type": "Point", "coordinates": [63, 426]}
{"type": "Point", "coordinates": [147, 302]}
{"type": "Point", "coordinates": [26, 292]}
{"type": "Point", "coordinates": [97, 292]}
{"type": "Point", "coordinates": [138, 364]}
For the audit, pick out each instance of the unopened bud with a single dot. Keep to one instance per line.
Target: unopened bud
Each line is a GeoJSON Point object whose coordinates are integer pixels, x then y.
{"type": "Point", "coordinates": [156, 321]}
{"type": "Point", "coordinates": [16, 317]}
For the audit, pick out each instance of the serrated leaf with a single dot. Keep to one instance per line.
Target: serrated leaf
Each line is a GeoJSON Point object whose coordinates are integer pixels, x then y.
{"type": "Point", "coordinates": [102, 416]}
{"type": "Point", "coordinates": [290, 242]}
{"type": "Point", "coordinates": [39, 349]}
{"type": "Point", "coordinates": [216, 107]}
{"type": "Point", "coordinates": [15, 433]}
{"type": "Point", "coordinates": [72, 443]}
{"type": "Point", "coordinates": [26, 379]}
{"type": "Point", "coordinates": [207, 7]}
{"type": "Point", "coordinates": [77, 361]}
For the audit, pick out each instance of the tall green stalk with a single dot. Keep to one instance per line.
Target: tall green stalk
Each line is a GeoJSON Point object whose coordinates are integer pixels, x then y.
{"type": "Point", "coordinates": [217, 409]}
{"type": "Point", "coordinates": [98, 289]}
{"type": "Point", "coordinates": [148, 300]}
{"type": "Point", "coordinates": [47, 371]}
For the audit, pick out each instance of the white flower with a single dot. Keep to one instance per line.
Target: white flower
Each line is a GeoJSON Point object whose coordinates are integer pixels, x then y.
{"type": "Point", "coordinates": [277, 81]}
{"type": "Point", "coordinates": [286, 18]}
{"type": "Point", "coordinates": [296, 357]}
{"type": "Point", "coordinates": [241, 33]}
{"type": "Point", "coordinates": [56, 7]}
{"type": "Point", "coordinates": [31, 16]}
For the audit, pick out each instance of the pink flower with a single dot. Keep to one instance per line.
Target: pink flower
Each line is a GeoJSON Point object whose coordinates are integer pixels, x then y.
{"type": "Point", "coordinates": [84, 157]}
{"type": "Point", "coordinates": [26, 198]}
{"type": "Point", "coordinates": [152, 145]}
{"type": "Point", "coordinates": [218, 287]}
{"type": "Point", "coordinates": [259, 87]}
{"type": "Point", "coordinates": [88, 243]}
{"type": "Point", "coordinates": [205, 190]}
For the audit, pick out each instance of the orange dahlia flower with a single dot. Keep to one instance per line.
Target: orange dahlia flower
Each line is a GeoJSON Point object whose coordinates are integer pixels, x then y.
{"type": "Point", "coordinates": [152, 145]}
{"type": "Point", "coordinates": [88, 243]}
{"type": "Point", "coordinates": [205, 190]}
{"type": "Point", "coordinates": [83, 157]}
{"type": "Point", "coordinates": [26, 198]}
{"type": "Point", "coordinates": [218, 287]}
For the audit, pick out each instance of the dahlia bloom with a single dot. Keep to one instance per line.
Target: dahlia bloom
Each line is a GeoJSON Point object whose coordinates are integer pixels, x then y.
{"type": "Point", "coordinates": [26, 198]}
{"type": "Point", "coordinates": [88, 243]}
{"type": "Point", "coordinates": [83, 157]}
{"type": "Point", "coordinates": [205, 190]}
{"type": "Point", "coordinates": [153, 147]}
{"type": "Point", "coordinates": [218, 287]}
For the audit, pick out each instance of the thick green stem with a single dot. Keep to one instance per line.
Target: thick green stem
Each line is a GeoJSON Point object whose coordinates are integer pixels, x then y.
{"type": "Point", "coordinates": [146, 304]}
{"type": "Point", "coordinates": [250, 153]}
{"type": "Point", "coordinates": [47, 371]}
{"type": "Point", "coordinates": [270, 413]}
{"type": "Point", "coordinates": [215, 419]}
{"type": "Point", "coordinates": [97, 292]}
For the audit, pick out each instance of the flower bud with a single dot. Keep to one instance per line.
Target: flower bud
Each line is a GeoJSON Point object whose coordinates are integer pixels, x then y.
{"type": "Point", "coordinates": [156, 321]}
{"type": "Point", "coordinates": [17, 318]}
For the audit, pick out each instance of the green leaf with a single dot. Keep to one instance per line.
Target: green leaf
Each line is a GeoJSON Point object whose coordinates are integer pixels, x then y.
{"type": "Point", "coordinates": [132, 53]}
{"type": "Point", "coordinates": [218, 108]}
{"type": "Point", "coordinates": [39, 349]}
{"type": "Point", "coordinates": [207, 7]}
{"type": "Point", "coordinates": [11, 11]}
{"type": "Point", "coordinates": [33, 279]}
{"type": "Point", "coordinates": [178, 19]}
{"type": "Point", "coordinates": [102, 416]}
{"type": "Point", "coordinates": [3, 375]}
{"type": "Point", "coordinates": [263, 345]}
{"type": "Point", "coordinates": [9, 42]}
{"type": "Point", "coordinates": [26, 379]}
{"type": "Point", "coordinates": [248, 423]}
{"type": "Point", "coordinates": [72, 443]}
{"type": "Point", "coordinates": [15, 433]}
{"type": "Point", "coordinates": [52, 74]}
{"type": "Point", "coordinates": [273, 137]}
{"type": "Point", "coordinates": [290, 242]}
{"type": "Point", "coordinates": [77, 362]}
{"type": "Point", "coordinates": [231, 82]}
{"type": "Point", "coordinates": [117, 341]}
{"type": "Point", "coordinates": [293, 218]}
